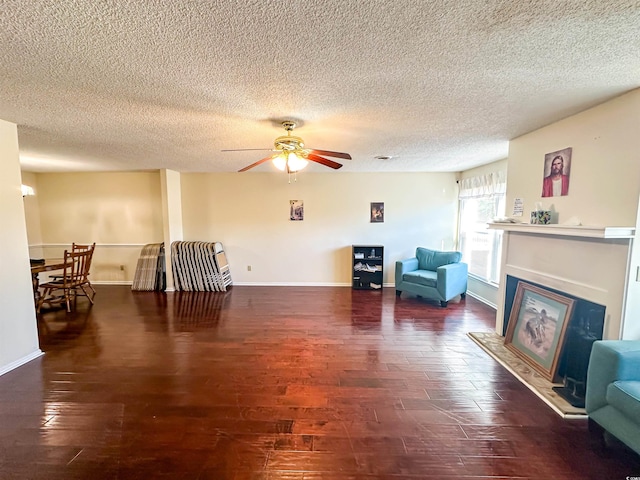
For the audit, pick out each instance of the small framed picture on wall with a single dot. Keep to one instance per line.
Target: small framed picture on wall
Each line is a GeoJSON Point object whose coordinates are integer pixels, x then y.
{"type": "Point", "coordinates": [296, 210]}
{"type": "Point", "coordinates": [377, 212]}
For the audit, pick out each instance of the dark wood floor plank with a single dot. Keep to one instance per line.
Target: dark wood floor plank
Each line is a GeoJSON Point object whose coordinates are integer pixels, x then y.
{"type": "Point", "coordinates": [281, 383]}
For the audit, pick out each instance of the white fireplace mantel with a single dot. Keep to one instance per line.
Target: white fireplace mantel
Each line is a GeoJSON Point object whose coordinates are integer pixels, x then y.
{"type": "Point", "coordinates": [595, 263]}
{"type": "Point", "coordinates": [566, 230]}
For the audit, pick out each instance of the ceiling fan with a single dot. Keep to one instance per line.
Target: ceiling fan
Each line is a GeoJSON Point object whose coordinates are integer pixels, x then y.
{"type": "Point", "coordinates": [290, 154]}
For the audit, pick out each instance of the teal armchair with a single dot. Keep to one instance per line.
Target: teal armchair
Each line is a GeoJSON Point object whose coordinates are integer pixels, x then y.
{"type": "Point", "coordinates": [613, 389]}
{"type": "Point", "coordinates": [432, 274]}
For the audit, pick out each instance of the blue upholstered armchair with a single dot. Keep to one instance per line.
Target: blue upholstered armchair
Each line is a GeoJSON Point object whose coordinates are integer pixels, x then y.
{"type": "Point", "coordinates": [613, 389]}
{"type": "Point", "coordinates": [432, 274]}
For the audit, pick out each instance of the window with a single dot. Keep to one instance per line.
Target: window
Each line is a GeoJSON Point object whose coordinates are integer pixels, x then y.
{"type": "Point", "coordinates": [481, 200]}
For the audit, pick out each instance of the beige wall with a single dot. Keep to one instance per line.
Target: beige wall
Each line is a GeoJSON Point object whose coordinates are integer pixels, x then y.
{"type": "Point", "coordinates": [18, 334]}
{"type": "Point", "coordinates": [121, 212]}
{"type": "Point", "coordinates": [605, 165]}
{"type": "Point", "coordinates": [249, 214]}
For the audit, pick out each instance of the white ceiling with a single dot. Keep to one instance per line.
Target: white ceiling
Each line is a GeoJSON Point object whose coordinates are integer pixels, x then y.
{"type": "Point", "coordinates": [438, 85]}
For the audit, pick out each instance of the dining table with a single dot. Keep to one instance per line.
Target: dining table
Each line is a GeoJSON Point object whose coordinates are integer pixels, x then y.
{"type": "Point", "coordinates": [46, 265]}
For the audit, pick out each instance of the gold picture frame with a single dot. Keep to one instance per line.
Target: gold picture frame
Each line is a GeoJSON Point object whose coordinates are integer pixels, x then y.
{"type": "Point", "coordinates": [537, 326]}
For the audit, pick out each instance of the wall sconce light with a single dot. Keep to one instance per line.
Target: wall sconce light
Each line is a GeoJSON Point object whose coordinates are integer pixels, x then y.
{"type": "Point", "coordinates": [27, 191]}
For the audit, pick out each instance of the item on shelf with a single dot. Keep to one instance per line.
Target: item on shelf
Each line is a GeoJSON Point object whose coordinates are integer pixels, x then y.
{"type": "Point", "coordinates": [541, 217]}
{"type": "Point", "coordinates": [367, 275]}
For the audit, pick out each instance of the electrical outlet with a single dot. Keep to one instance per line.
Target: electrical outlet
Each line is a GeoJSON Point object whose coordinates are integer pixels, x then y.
{"type": "Point", "coordinates": [248, 268]}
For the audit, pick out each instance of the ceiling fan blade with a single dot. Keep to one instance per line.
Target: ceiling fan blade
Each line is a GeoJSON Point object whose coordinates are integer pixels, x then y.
{"type": "Point", "coordinates": [246, 149]}
{"type": "Point", "coordinates": [324, 161]}
{"type": "Point", "coordinates": [259, 162]}
{"type": "Point", "coordinates": [329, 153]}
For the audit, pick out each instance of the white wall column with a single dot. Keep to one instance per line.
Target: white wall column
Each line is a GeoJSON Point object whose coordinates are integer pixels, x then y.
{"type": "Point", "coordinates": [171, 217]}
{"type": "Point", "coordinates": [631, 327]}
{"type": "Point", "coordinates": [18, 329]}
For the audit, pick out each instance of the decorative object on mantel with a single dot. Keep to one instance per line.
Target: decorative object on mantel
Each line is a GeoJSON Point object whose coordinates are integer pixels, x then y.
{"type": "Point", "coordinates": [537, 325]}
{"type": "Point", "coordinates": [504, 220]}
{"type": "Point", "coordinates": [557, 168]}
{"type": "Point", "coordinates": [518, 207]}
{"type": "Point", "coordinates": [541, 217]}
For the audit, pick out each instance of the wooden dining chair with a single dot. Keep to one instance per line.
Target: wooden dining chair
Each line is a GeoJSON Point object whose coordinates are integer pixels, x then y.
{"type": "Point", "coordinates": [84, 288]}
{"type": "Point", "coordinates": [64, 289]}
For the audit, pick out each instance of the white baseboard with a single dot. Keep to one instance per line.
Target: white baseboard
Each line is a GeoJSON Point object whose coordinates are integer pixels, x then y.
{"type": "Point", "coordinates": [21, 361]}
{"type": "Point", "coordinates": [483, 300]}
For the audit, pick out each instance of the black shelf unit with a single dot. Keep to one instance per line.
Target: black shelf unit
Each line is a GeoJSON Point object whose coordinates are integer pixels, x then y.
{"type": "Point", "coordinates": [367, 266]}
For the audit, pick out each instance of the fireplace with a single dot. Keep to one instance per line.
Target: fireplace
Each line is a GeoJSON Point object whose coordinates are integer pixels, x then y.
{"type": "Point", "coordinates": [591, 265]}
{"type": "Point", "coordinates": [588, 263]}
{"type": "Point", "coordinates": [584, 327]}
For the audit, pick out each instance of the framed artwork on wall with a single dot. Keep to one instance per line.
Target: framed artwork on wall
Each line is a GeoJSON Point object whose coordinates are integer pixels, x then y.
{"type": "Point", "coordinates": [296, 210]}
{"type": "Point", "coordinates": [536, 328]}
{"type": "Point", "coordinates": [557, 169]}
{"type": "Point", "coordinates": [377, 212]}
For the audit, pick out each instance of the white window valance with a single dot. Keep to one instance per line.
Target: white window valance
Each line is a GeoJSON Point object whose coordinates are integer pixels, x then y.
{"type": "Point", "coordinates": [483, 185]}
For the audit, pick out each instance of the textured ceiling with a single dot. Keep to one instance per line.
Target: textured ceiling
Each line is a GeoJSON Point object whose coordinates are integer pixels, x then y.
{"type": "Point", "coordinates": [439, 85]}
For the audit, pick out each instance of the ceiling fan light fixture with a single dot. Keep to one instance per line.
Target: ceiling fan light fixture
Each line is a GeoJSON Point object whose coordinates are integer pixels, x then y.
{"type": "Point", "coordinates": [292, 156]}
{"type": "Point", "coordinates": [280, 162]}
{"type": "Point", "coordinates": [293, 161]}
{"type": "Point", "coordinates": [296, 163]}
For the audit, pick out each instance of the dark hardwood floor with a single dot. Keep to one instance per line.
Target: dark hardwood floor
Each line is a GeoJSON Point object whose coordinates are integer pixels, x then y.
{"type": "Point", "coordinates": [281, 383]}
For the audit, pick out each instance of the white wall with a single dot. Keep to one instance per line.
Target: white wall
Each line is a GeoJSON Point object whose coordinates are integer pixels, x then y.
{"type": "Point", "coordinates": [171, 218]}
{"type": "Point", "coordinates": [249, 214]}
{"type": "Point", "coordinates": [18, 330]}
